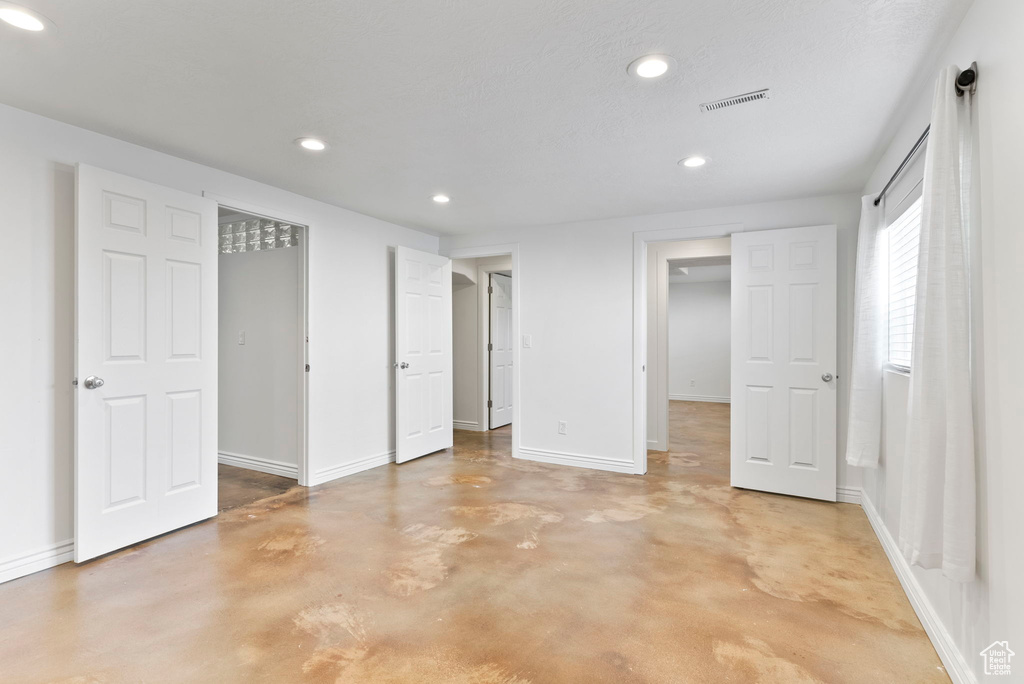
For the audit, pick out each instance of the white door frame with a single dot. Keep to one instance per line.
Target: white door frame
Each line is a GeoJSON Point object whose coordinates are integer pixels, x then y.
{"type": "Point", "coordinates": [302, 448]}
{"type": "Point", "coordinates": [494, 251]}
{"type": "Point", "coordinates": [640, 242]}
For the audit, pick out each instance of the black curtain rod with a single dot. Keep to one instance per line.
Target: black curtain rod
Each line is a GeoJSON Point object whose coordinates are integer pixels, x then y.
{"type": "Point", "coordinates": [968, 79]}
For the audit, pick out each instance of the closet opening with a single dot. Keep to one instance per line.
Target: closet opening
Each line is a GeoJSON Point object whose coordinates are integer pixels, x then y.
{"type": "Point", "coordinates": [262, 356]}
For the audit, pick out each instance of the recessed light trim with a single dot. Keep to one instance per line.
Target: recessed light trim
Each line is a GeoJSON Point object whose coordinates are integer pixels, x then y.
{"type": "Point", "coordinates": [693, 162]}
{"type": "Point", "coordinates": [651, 67]}
{"type": "Point", "coordinates": [23, 17]}
{"type": "Point", "coordinates": [311, 144]}
{"type": "Point", "coordinates": [441, 199]}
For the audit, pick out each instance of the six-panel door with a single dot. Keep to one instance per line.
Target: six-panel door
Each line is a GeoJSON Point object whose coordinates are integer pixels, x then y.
{"type": "Point", "coordinates": [500, 353]}
{"type": "Point", "coordinates": [146, 325]}
{"type": "Point", "coordinates": [423, 354]}
{"type": "Point", "coordinates": [783, 436]}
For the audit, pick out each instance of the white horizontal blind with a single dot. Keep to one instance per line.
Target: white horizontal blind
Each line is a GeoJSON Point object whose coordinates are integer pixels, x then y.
{"type": "Point", "coordinates": [904, 245]}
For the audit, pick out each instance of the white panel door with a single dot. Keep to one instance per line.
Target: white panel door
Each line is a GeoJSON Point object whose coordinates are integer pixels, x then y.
{"type": "Point", "coordinates": [500, 351]}
{"type": "Point", "coordinates": [146, 361]}
{"type": "Point", "coordinates": [423, 355]}
{"type": "Point", "coordinates": [784, 361]}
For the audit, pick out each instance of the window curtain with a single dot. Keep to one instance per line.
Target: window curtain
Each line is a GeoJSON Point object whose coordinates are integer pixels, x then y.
{"type": "Point", "coordinates": [864, 434]}
{"type": "Point", "coordinates": [937, 518]}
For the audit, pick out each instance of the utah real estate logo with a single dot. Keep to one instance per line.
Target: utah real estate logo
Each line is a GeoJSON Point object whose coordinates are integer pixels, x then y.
{"type": "Point", "coordinates": [997, 658]}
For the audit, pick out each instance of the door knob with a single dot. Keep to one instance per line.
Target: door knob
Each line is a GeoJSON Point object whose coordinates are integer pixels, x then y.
{"type": "Point", "coordinates": [92, 382]}
{"type": "Point", "coordinates": [827, 377]}
{"type": "Point", "coordinates": [403, 365]}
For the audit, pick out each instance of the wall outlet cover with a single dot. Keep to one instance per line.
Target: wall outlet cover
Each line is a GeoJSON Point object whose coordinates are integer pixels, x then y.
{"type": "Point", "coordinates": [563, 427]}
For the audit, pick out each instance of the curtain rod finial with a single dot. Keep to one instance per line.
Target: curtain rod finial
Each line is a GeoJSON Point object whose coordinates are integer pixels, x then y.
{"type": "Point", "coordinates": [967, 80]}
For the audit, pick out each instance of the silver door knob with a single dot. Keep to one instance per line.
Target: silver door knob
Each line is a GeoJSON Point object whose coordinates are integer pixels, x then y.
{"type": "Point", "coordinates": [92, 382]}
{"type": "Point", "coordinates": [403, 365]}
{"type": "Point", "coordinates": [827, 377]}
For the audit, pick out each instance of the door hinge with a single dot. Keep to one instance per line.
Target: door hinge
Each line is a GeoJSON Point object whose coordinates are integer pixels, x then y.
{"type": "Point", "coordinates": [307, 367]}
{"type": "Point", "coordinates": [490, 347]}
{"type": "Point", "coordinates": [490, 403]}
{"type": "Point", "coordinates": [490, 289]}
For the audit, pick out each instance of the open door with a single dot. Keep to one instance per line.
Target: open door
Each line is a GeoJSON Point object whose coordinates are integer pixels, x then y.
{"type": "Point", "coordinates": [423, 354]}
{"type": "Point", "coordinates": [146, 361]}
{"type": "Point", "coordinates": [784, 361]}
{"type": "Point", "coordinates": [500, 351]}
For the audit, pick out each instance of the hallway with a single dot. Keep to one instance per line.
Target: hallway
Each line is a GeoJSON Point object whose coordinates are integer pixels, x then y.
{"type": "Point", "coordinates": [473, 567]}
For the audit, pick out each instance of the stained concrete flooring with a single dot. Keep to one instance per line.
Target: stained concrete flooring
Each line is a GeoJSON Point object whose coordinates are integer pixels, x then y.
{"type": "Point", "coordinates": [239, 486]}
{"type": "Point", "coordinates": [469, 566]}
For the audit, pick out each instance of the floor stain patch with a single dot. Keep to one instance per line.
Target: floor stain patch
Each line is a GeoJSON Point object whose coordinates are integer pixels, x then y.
{"type": "Point", "coordinates": [445, 480]}
{"type": "Point", "coordinates": [534, 517]}
{"type": "Point", "coordinates": [761, 665]}
{"type": "Point", "coordinates": [295, 543]}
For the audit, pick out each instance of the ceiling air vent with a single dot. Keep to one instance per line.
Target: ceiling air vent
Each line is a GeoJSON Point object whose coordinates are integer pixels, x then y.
{"type": "Point", "coordinates": [738, 99]}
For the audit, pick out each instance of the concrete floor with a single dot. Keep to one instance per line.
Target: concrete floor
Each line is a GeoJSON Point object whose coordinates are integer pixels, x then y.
{"type": "Point", "coordinates": [240, 486]}
{"type": "Point", "coordinates": [472, 567]}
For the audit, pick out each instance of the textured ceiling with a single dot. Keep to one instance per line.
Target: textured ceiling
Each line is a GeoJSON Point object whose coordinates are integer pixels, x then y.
{"type": "Point", "coordinates": [521, 110]}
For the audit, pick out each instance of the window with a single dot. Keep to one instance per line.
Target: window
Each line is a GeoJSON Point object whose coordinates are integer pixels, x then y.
{"type": "Point", "coordinates": [904, 235]}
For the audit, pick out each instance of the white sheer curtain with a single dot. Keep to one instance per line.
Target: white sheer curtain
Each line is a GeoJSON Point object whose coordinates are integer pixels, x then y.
{"type": "Point", "coordinates": [937, 518]}
{"type": "Point", "coordinates": [864, 435]}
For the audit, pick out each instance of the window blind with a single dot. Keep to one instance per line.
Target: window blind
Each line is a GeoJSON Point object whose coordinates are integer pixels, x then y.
{"type": "Point", "coordinates": [904, 243]}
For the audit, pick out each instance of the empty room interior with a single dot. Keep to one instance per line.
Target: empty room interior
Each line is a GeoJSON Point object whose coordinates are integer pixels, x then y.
{"type": "Point", "coordinates": [511, 342]}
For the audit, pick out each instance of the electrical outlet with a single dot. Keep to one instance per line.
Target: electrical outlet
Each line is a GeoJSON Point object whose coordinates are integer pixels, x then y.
{"type": "Point", "coordinates": [693, 383]}
{"type": "Point", "coordinates": [563, 427]}
{"type": "Point", "coordinates": [241, 337]}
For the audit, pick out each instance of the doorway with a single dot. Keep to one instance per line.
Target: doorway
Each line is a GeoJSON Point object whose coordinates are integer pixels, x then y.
{"type": "Point", "coordinates": [483, 314]}
{"type": "Point", "coordinates": [783, 340]}
{"type": "Point", "coordinates": [697, 369]}
{"type": "Point", "coordinates": [262, 340]}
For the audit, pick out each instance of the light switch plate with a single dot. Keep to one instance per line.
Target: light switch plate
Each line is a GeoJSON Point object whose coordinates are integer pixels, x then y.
{"type": "Point", "coordinates": [527, 341]}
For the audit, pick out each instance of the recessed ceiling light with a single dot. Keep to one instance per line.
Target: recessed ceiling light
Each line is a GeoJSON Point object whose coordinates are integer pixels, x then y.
{"type": "Point", "coordinates": [693, 162]}
{"type": "Point", "coordinates": [651, 66]}
{"type": "Point", "coordinates": [22, 17]}
{"type": "Point", "coordinates": [442, 199]}
{"type": "Point", "coordinates": [312, 144]}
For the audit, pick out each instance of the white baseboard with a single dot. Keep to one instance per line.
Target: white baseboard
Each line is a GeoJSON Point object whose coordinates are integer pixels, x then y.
{"type": "Point", "coordinates": [34, 561]}
{"type": "Point", "coordinates": [263, 465]}
{"type": "Point", "coordinates": [576, 460]}
{"type": "Point", "coordinates": [351, 468]}
{"type": "Point", "coordinates": [698, 397]}
{"type": "Point", "coordinates": [852, 495]}
{"type": "Point", "coordinates": [473, 425]}
{"type": "Point", "coordinates": [956, 667]}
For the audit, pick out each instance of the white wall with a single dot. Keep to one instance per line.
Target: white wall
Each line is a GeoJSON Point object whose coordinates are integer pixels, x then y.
{"type": "Point", "coordinates": [972, 616]}
{"type": "Point", "coordinates": [351, 417]}
{"type": "Point", "coordinates": [698, 341]}
{"type": "Point", "coordinates": [465, 347]}
{"type": "Point", "coordinates": [258, 382]}
{"type": "Point", "coordinates": [576, 300]}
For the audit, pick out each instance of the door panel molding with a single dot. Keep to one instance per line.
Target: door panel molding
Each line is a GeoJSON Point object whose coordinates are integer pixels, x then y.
{"type": "Point", "coordinates": [146, 437]}
{"type": "Point", "coordinates": [784, 339]}
{"type": "Point", "coordinates": [423, 353]}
